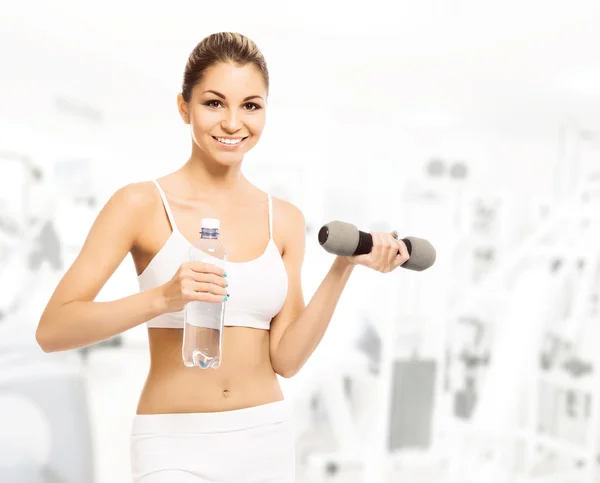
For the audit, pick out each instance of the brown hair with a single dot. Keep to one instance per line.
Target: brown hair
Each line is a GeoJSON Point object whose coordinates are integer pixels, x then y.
{"type": "Point", "coordinates": [221, 47]}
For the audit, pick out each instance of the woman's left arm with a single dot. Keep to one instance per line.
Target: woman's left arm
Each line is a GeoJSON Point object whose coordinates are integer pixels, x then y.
{"type": "Point", "coordinates": [297, 330]}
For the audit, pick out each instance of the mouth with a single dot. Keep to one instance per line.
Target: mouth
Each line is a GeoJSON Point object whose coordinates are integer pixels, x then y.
{"type": "Point", "coordinates": [229, 142]}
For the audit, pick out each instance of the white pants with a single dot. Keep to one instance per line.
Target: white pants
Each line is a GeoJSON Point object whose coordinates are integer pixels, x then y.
{"type": "Point", "coordinates": [251, 445]}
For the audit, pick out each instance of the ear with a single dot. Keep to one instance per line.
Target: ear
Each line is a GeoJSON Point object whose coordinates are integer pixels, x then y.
{"type": "Point", "coordinates": [182, 106]}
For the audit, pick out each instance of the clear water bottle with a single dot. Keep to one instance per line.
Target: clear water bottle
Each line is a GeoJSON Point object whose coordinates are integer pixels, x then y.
{"type": "Point", "coordinates": [203, 321]}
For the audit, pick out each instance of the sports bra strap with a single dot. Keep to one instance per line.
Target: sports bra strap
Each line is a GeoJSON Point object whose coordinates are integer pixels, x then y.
{"type": "Point", "coordinates": [270, 216]}
{"type": "Point", "coordinates": [166, 205]}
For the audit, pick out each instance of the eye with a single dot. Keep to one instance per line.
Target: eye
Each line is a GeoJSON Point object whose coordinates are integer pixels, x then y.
{"type": "Point", "coordinates": [251, 106]}
{"type": "Point", "coordinates": [212, 103]}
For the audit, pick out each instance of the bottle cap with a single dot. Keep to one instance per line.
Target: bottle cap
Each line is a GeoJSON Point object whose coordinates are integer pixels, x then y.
{"type": "Point", "coordinates": [210, 223]}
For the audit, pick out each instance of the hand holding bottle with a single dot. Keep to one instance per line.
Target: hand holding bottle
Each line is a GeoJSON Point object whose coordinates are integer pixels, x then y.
{"type": "Point", "coordinates": [194, 282]}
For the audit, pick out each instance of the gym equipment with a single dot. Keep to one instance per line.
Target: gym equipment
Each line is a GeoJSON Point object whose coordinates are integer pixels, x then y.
{"type": "Point", "coordinates": [51, 386]}
{"type": "Point", "coordinates": [413, 401]}
{"type": "Point", "coordinates": [26, 240]}
{"type": "Point", "coordinates": [344, 239]}
{"type": "Point", "coordinates": [541, 395]}
{"type": "Point", "coordinates": [55, 386]}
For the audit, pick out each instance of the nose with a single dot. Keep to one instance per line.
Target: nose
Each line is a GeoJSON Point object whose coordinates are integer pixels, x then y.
{"type": "Point", "coordinates": [231, 121]}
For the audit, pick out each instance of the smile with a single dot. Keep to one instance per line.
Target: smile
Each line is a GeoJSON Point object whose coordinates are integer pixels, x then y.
{"type": "Point", "coordinates": [229, 141]}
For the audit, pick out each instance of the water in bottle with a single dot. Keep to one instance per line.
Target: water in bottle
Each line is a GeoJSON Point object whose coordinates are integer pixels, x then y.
{"type": "Point", "coordinates": [203, 321]}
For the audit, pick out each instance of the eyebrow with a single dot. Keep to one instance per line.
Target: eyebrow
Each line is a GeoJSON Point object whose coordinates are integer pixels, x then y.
{"type": "Point", "coordinates": [223, 97]}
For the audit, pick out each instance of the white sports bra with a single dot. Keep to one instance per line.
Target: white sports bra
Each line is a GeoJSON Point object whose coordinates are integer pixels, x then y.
{"type": "Point", "coordinates": [258, 287]}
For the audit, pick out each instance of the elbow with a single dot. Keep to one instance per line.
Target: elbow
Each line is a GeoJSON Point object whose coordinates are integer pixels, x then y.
{"type": "Point", "coordinates": [284, 365]}
{"type": "Point", "coordinates": [286, 371]}
{"type": "Point", "coordinates": [46, 342]}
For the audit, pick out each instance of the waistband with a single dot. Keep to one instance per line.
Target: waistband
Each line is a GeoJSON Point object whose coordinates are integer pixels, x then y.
{"type": "Point", "coordinates": [211, 422]}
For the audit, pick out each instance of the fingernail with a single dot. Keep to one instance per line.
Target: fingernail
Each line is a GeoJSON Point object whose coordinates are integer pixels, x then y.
{"type": "Point", "coordinates": [224, 274]}
{"type": "Point", "coordinates": [228, 295]}
{"type": "Point", "coordinates": [227, 284]}
{"type": "Point", "coordinates": [225, 298]}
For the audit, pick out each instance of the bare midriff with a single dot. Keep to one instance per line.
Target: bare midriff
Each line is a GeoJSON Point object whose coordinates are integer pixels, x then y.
{"type": "Point", "coordinates": [245, 377]}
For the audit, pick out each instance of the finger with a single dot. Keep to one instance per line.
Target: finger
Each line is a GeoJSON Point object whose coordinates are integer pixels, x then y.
{"type": "Point", "coordinates": [190, 294]}
{"type": "Point", "coordinates": [376, 249]}
{"type": "Point", "coordinates": [203, 267]}
{"type": "Point", "coordinates": [391, 251]}
{"type": "Point", "coordinates": [403, 249]}
{"type": "Point", "coordinates": [403, 255]}
{"type": "Point", "coordinates": [386, 248]}
{"type": "Point", "coordinates": [210, 278]}
{"type": "Point", "coordinates": [379, 251]}
{"type": "Point", "coordinates": [209, 297]}
{"type": "Point", "coordinates": [211, 288]}
{"type": "Point", "coordinates": [388, 244]}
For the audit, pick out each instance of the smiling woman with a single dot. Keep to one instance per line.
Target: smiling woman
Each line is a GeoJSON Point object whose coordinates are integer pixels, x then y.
{"type": "Point", "coordinates": [223, 96]}
{"type": "Point", "coordinates": [229, 424]}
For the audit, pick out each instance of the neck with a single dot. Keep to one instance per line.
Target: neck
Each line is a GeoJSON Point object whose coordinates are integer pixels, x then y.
{"type": "Point", "coordinates": [212, 177]}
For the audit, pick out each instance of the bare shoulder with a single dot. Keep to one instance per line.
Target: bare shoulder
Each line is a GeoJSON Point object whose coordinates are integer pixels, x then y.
{"type": "Point", "coordinates": [137, 199]}
{"type": "Point", "coordinates": [138, 196]}
{"type": "Point", "coordinates": [287, 211]}
{"type": "Point", "coordinates": [111, 236]}
{"type": "Point", "coordinates": [289, 221]}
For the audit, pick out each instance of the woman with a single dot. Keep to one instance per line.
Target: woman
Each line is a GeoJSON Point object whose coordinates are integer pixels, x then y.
{"type": "Point", "coordinates": [229, 424]}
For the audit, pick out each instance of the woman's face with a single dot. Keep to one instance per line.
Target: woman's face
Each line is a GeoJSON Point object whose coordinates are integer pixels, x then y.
{"type": "Point", "coordinates": [226, 111]}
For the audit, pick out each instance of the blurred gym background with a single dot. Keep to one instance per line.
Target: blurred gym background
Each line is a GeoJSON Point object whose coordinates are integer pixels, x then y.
{"type": "Point", "coordinates": [474, 124]}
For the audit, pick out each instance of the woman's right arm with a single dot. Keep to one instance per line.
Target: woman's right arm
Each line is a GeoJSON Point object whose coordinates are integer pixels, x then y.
{"type": "Point", "coordinates": [72, 319]}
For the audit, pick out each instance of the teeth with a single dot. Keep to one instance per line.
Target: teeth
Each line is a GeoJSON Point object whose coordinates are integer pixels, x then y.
{"type": "Point", "coordinates": [229, 141]}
